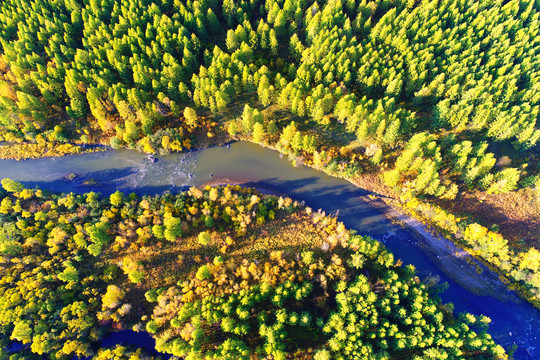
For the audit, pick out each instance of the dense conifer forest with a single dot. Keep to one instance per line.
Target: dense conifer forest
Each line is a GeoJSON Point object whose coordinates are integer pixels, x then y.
{"type": "Point", "coordinates": [219, 273]}
{"type": "Point", "coordinates": [443, 83]}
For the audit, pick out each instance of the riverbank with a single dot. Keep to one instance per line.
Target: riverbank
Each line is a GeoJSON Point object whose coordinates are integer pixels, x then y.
{"type": "Point", "coordinates": [265, 190]}
{"type": "Point", "coordinates": [456, 263]}
{"type": "Point", "coordinates": [25, 151]}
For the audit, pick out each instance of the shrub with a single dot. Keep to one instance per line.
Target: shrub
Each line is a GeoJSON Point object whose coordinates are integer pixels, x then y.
{"type": "Point", "coordinates": [204, 238]}
{"type": "Point", "coordinates": [203, 273]}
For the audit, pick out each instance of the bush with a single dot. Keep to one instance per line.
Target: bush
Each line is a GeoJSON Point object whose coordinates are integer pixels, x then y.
{"type": "Point", "coordinates": [116, 198]}
{"type": "Point", "coordinates": [112, 297]}
{"type": "Point", "coordinates": [203, 273]}
{"type": "Point", "coordinates": [322, 355]}
{"type": "Point", "coordinates": [204, 238]}
{"type": "Point", "coordinates": [12, 186]}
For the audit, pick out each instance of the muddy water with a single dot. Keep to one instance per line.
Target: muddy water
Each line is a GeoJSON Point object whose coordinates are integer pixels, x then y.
{"type": "Point", "coordinates": [513, 321]}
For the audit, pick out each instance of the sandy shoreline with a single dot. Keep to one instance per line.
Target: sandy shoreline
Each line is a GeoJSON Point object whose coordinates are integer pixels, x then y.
{"type": "Point", "coordinates": [455, 262]}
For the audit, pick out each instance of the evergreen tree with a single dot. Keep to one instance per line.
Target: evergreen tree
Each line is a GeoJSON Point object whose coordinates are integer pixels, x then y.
{"type": "Point", "coordinates": [258, 132]}
{"type": "Point", "coordinates": [190, 117]}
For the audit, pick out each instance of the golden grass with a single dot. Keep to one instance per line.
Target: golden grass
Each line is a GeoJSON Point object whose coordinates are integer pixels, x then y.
{"type": "Point", "coordinates": [165, 263]}
{"type": "Point", "coordinates": [24, 151]}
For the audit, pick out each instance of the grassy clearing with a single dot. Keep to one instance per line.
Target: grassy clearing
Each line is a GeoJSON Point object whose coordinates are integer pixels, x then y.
{"type": "Point", "coordinates": [164, 263]}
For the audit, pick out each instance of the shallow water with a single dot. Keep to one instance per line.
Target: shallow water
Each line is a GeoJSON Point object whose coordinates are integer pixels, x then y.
{"type": "Point", "coordinates": [129, 171]}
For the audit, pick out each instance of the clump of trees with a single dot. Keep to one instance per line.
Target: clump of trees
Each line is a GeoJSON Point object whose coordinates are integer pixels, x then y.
{"type": "Point", "coordinates": [76, 266]}
{"type": "Point", "coordinates": [240, 309]}
{"type": "Point", "coordinates": [71, 263]}
{"type": "Point", "coordinates": [422, 168]}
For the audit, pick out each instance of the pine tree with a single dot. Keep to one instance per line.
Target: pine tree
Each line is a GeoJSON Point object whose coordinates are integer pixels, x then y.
{"type": "Point", "coordinates": [377, 157]}
{"type": "Point", "coordinates": [190, 116]}
{"type": "Point", "coordinates": [297, 141]}
{"type": "Point", "coordinates": [288, 133]}
{"type": "Point", "coordinates": [231, 41]}
{"type": "Point", "coordinates": [265, 91]}
{"type": "Point", "coordinates": [274, 44]}
{"type": "Point", "coordinates": [232, 128]}
{"type": "Point", "coordinates": [131, 133]}
{"type": "Point", "coordinates": [272, 128]}
{"type": "Point", "coordinates": [362, 132]}
{"type": "Point", "coordinates": [258, 132]}
{"type": "Point", "coordinates": [247, 119]}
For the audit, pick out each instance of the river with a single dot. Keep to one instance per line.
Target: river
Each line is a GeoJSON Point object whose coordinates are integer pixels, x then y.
{"type": "Point", "coordinates": [514, 321]}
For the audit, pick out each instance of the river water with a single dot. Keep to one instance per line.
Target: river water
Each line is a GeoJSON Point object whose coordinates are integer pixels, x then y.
{"type": "Point", "coordinates": [513, 322]}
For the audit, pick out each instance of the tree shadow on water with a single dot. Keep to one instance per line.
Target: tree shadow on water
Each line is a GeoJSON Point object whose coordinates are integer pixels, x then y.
{"type": "Point", "coordinates": [345, 201]}
{"type": "Point", "coordinates": [311, 187]}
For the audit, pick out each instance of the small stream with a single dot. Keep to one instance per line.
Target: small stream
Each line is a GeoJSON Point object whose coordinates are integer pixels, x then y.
{"type": "Point", "coordinates": [514, 321]}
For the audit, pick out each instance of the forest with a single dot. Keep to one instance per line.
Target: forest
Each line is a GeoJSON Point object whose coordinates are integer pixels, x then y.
{"type": "Point", "coordinates": [213, 273]}
{"type": "Point", "coordinates": [432, 103]}
{"type": "Point", "coordinates": [439, 100]}
{"type": "Point", "coordinates": [376, 75]}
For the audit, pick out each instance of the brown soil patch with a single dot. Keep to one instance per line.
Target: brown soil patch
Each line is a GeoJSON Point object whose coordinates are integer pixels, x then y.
{"type": "Point", "coordinates": [516, 215]}
{"type": "Point", "coordinates": [374, 183]}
